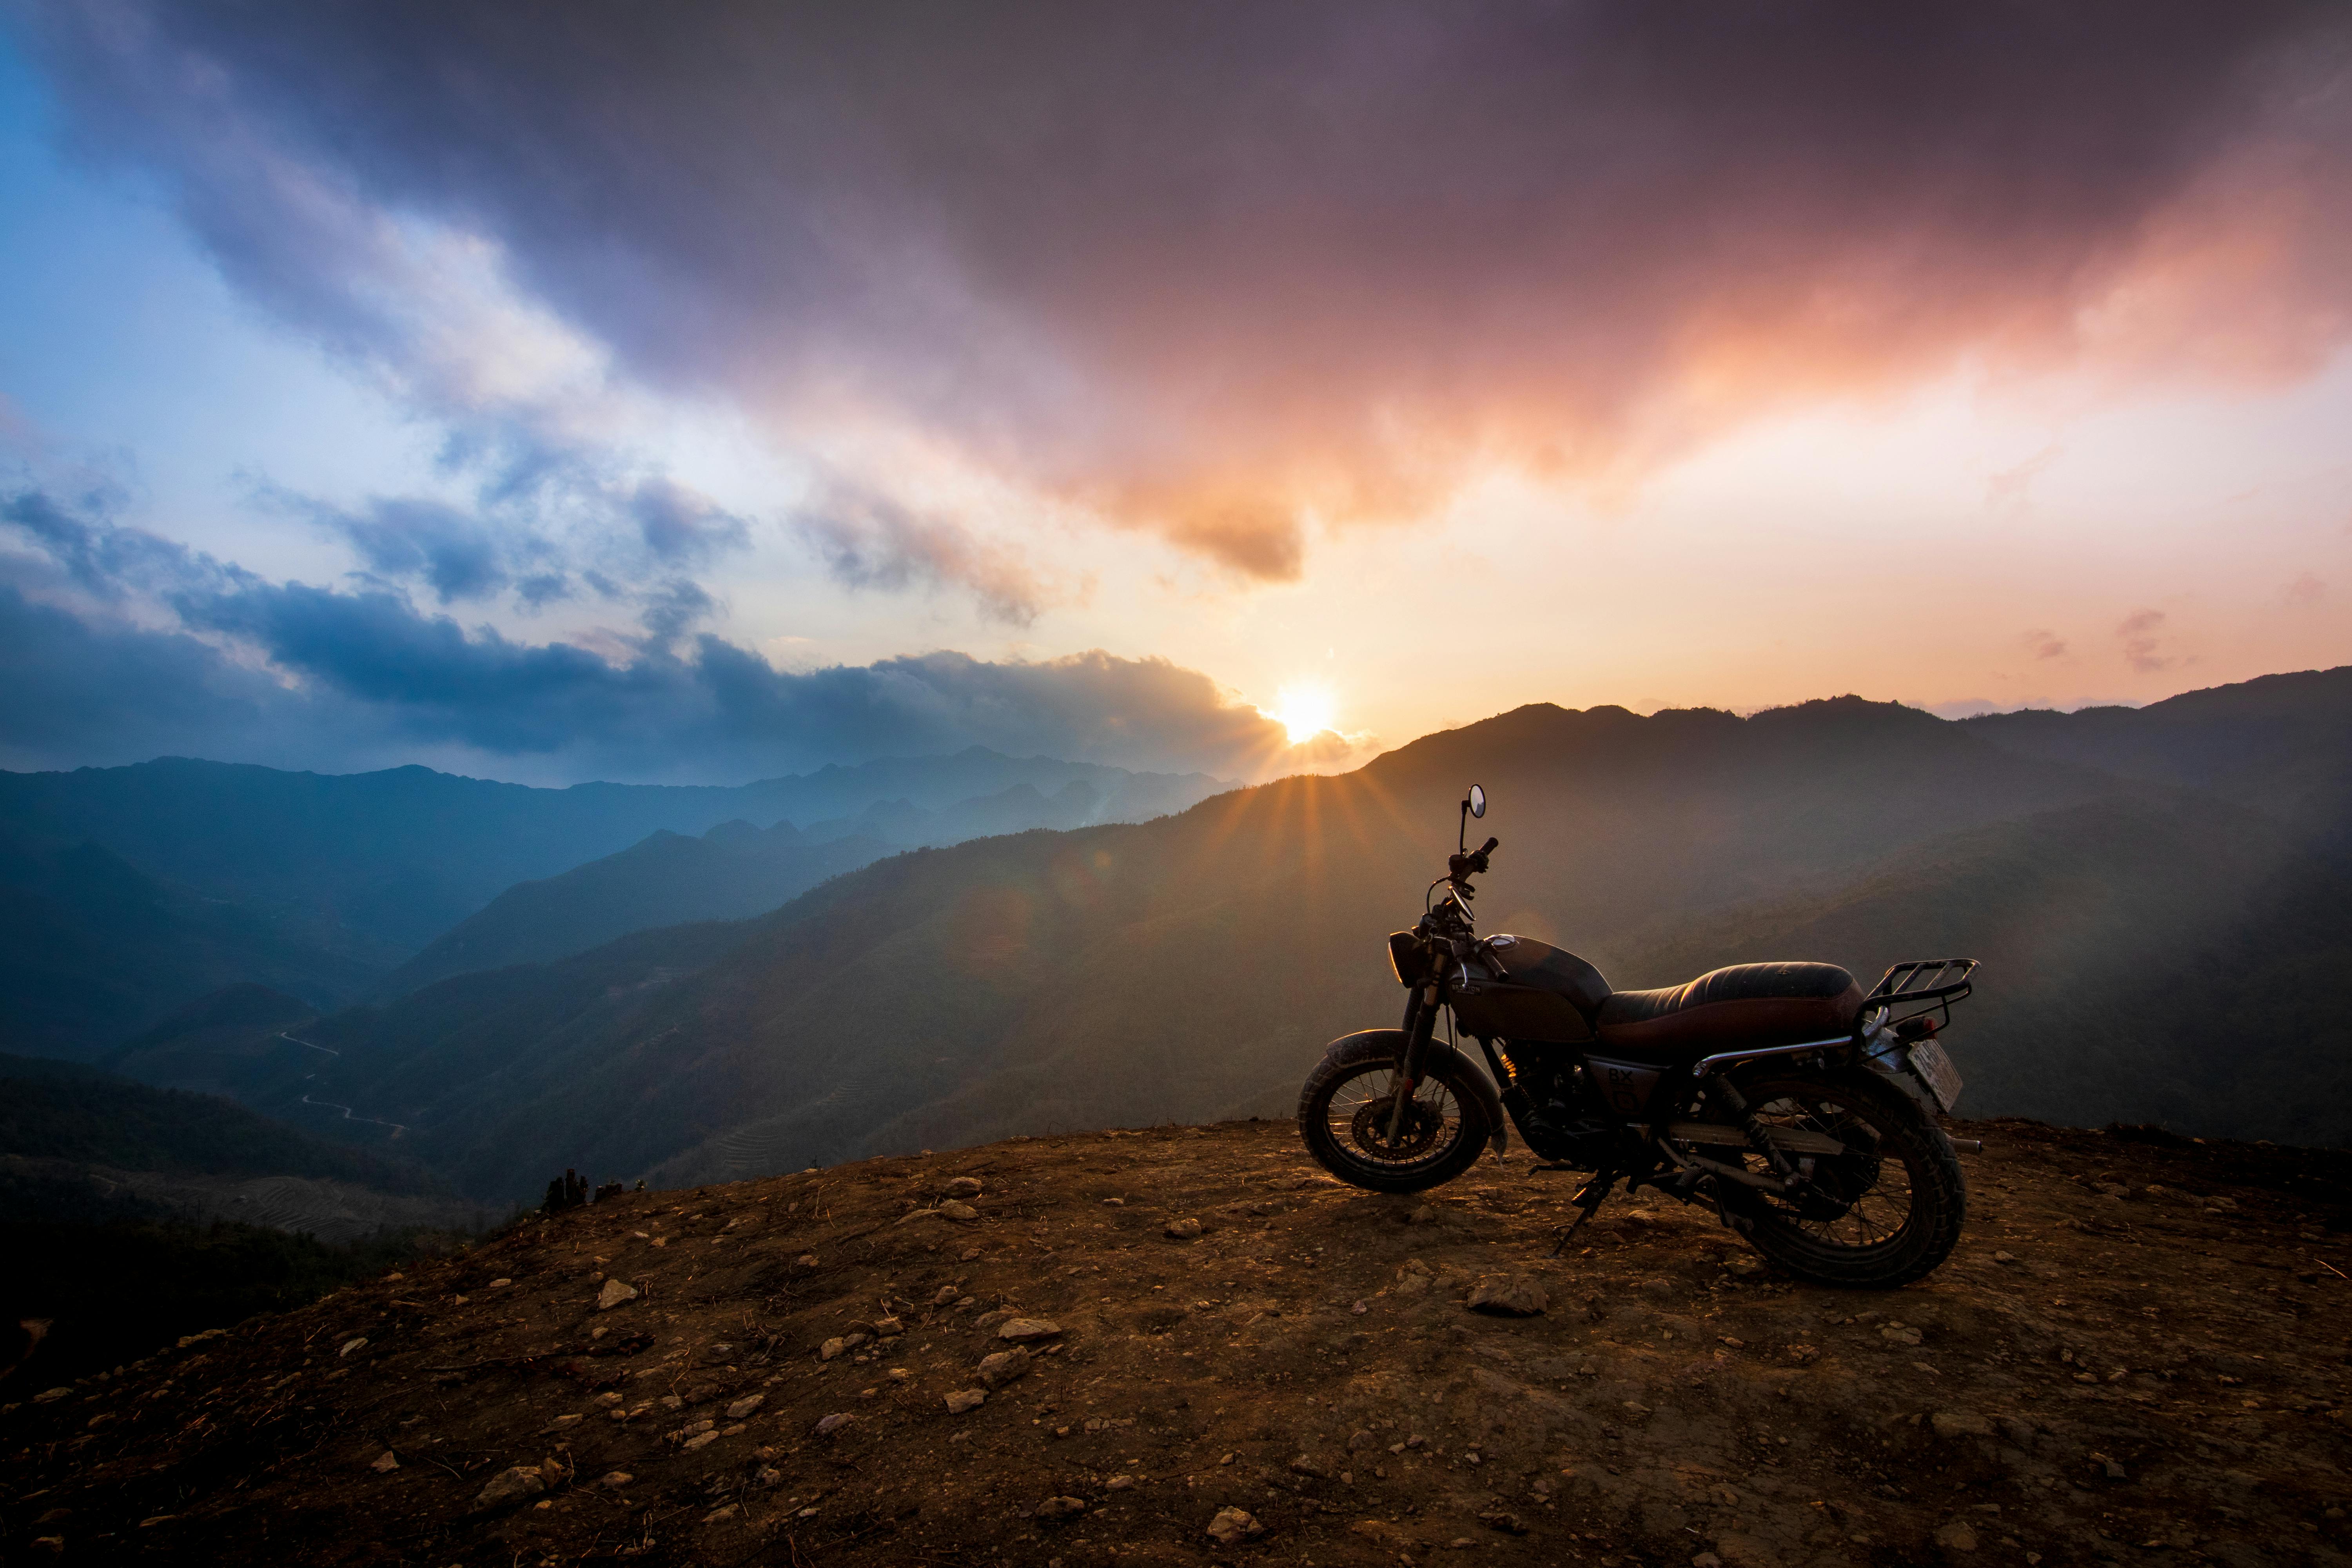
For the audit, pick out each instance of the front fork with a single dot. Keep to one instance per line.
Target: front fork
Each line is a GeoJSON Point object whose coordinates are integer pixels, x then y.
{"type": "Point", "coordinates": [1420, 1024]}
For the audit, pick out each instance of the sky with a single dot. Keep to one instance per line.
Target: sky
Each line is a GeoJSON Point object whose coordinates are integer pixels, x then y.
{"type": "Point", "coordinates": [600, 391]}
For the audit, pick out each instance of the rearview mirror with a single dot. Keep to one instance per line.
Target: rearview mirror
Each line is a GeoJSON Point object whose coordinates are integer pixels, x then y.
{"type": "Point", "coordinates": [1478, 800]}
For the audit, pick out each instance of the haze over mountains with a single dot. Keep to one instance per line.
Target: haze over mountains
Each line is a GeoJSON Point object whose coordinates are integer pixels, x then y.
{"type": "Point", "coordinates": [129, 891]}
{"type": "Point", "coordinates": [2161, 896]}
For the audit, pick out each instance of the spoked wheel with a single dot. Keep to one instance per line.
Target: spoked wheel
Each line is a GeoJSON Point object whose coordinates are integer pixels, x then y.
{"type": "Point", "coordinates": [1348, 1114]}
{"type": "Point", "coordinates": [1884, 1213]}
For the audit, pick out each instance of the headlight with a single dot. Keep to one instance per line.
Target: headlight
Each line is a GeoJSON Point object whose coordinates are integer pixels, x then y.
{"type": "Point", "coordinates": [1408, 957]}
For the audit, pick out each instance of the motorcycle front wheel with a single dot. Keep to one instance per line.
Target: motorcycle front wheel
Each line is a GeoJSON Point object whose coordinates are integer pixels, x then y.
{"type": "Point", "coordinates": [1347, 1114]}
{"type": "Point", "coordinates": [1886, 1213]}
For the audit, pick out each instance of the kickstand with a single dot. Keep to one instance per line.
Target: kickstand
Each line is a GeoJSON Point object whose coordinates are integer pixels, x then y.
{"type": "Point", "coordinates": [1595, 1192]}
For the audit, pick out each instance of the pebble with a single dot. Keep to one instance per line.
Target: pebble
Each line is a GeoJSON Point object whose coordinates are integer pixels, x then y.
{"type": "Point", "coordinates": [964, 1399]}
{"type": "Point", "coordinates": [1183, 1229]}
{"type": "Point", "coordinates": [960, 1213]}
{"type": "Point", "coordinates": [964, 1187]}
{"type": "Point", "coordinates": [946, 1295]}
{"type": "Point", "coordinates": [1509, 1296]}
{"type": "Point", "coordinates": [1233, 1525]}
{"type": "Point", "coordinates": [517, 1481]}
{"type": "Point", "coordinates": [1027, 1330]}
{"type": "Point", "coordinates": [828, 1425]}
{"type": "Point", "coordinates": [1961, 1423]}
{"type": "Point", "coordinates": [385, 1463]}
{"type": "Point", "coordinates": [721, 1515]}
{"type": "Point", "coordinates": [1003, 1367]}
{"type": "Point", "coordinates": [614, 1292]}
{"type": "Point", "coordinates": [1061, 1508]}
{"type": "Point", "coordinates": [745, 1405]}
{"type": "Point", "coordinates": [351, 1345]}
{"type": "Point", "coordinates": [616, 1479]}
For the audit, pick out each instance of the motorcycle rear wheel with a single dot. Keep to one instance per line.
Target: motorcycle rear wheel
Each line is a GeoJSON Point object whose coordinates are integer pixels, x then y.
{"type": "Point", "coordinates": [1343, 1116]}
{"type": "Point", "coordinates": [1883, 1217]}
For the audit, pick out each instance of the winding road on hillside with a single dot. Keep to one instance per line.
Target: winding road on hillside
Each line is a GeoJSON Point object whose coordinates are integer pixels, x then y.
{"type": "Point", "coordinates": [349, 1114]}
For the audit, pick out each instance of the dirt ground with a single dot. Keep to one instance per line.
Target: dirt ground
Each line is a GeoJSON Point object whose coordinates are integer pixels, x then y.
{"type": "Point", "coordinates": [2139, 1353]}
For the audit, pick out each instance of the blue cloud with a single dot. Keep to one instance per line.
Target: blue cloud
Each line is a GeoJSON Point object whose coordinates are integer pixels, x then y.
{"type": "Point", "coordinates": [296, 675]}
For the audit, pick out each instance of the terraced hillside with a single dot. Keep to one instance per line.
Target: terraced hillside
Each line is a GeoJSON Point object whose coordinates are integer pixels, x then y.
{"type": "Point", "coordinates": [2138, 1354]}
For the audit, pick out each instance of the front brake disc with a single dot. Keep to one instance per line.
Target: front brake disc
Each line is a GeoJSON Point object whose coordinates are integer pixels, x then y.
{"type": "Point", "coordinates": [1370, 1128]}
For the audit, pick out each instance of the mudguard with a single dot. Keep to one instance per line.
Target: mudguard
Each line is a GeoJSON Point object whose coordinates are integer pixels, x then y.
{"type": "Point", "coordinates": [1388, 1044]}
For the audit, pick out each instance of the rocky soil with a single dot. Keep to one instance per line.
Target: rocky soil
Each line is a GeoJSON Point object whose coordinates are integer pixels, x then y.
{"type": "Point", "coordinates": [1032, 1353]}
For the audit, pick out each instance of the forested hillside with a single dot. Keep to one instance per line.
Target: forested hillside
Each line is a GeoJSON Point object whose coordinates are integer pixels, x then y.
{"type": "Point", "coordinates": [127, 893]}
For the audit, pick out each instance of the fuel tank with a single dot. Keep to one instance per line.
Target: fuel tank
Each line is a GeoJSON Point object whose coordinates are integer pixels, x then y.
{"type": "Point", "coordinates": [1517, 988]}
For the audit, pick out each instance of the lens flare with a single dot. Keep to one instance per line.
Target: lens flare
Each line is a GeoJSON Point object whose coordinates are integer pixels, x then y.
{"type": "Point", "coordinates": [1306, 710]}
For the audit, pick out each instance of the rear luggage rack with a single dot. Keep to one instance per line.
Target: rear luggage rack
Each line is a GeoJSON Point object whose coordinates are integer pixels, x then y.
{"type": "Point", "coordinates": [1923, 985]}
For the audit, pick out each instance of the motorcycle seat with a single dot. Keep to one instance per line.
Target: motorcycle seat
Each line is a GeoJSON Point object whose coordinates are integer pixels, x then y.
{"type": "Point", "coordinates": [1742, 1005]}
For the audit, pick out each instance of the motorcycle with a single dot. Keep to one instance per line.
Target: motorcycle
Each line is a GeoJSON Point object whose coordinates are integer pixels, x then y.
{"type": "Point", "coordinates": [1799, 1109]}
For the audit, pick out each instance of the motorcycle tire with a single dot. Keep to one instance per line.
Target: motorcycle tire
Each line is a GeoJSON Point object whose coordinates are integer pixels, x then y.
{"type": "Point", "coordinates": [1847, 1232]}
{"type": "Point", "coordinates": [1340, 1111]}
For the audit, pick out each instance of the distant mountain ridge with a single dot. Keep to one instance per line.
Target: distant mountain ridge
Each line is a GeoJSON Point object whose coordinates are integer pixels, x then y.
{"type": "Point", "coordinates": [2154, 949]}
{"type": "Point", "coordinates": [143, 887]}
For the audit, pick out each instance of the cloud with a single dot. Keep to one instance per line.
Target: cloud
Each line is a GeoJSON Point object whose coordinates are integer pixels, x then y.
{"type": "Point", "coordinates": [2305, 591]}
{"type": "Point", "coordinates": [116, 645]}
{"type": "Point", "coordinates": [869, 541]}
{"type": "Point", "coordinates": [2139, 635]}
{"type": "Point", "coordinates": [2042, 644]}
{"type": "Point", "coordinates": [1231, 273]}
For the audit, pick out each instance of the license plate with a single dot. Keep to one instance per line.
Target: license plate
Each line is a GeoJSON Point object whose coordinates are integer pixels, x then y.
{"type": "Point", "coordinates": [1936, 1072]}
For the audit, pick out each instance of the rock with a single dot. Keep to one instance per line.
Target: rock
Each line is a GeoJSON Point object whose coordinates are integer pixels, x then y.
{"type": "Point", "coordinates": [351, 1345]}
{"type": "Point", "coordinates": [1508, 1523]}
{"type": "Point", "coordinates": [1961, 1423]}
{"type": "Point", "coordinates": [614, 1292]}
{"type": "Point", "coordinates": [721, 1515]}
{"type": "Point", "coordinates": [946, 1296]}
{"type": "Point", "coordinates": [700, 1440]}
{"type": "Point", "coordinates": [964, 1187]}
{"type": "Point", "coordinates": [1233, 1525]}
{"type": "Point", "coordinates": [827, 1425]}
{"type": "Point", "coordinates": [745, 1405]}
{"type": "Point", "coordinates": [616, 1479]}
{"type": "Point", "coordinates": [1359, 1441]}
{"type": "Point", "coordinates": [988, 1320]}
{"type": "Point", "coordinates": [51, 1395]}
{"type": "Point", "coordinates": [1427, 1214]}
{"type": "Point", "coordinates": [1899, 1334]}
{"type": "Point", "coordinates": [1308, 1465]}
{"type": "Point", "coordinates": [1003, 1367]}
{"type": "Point", "coordinates": [2004, 1258]}
{"type": "Point", "coordinates": [964, 1399]}
{"type": "Point", "coordinates": [1956, 1536]}
{"type": "Point", "coordinates": [1707, 1560]}
{"type": "Point", "coordinates": [889, 1328]}
{"type": "Point", "coordinates": [960, 1212]}
{"type": "Point", "coordinates": [1120, 1484]}
{"type": "Point", "coordinates": [832, 1348]}
{"type": "Point", "coordinates": [1028, 1331]}
{"type": "Point", "coordinates": [1061, 1508]}
{"type": "Point", "coordinates": [1743, 1265]}
{"type": "Point", "coordinates": [500, 1284]}
{"type": "Point", "coordinates": [1509, 1296]}
{"type": "Point", "coordinates": [385, 1463]}
{"type": "Point", "coordinates": [911, 1215]}
{"type": "Point", "coordinates": [1183, 1229]}
{"type": "Point", "coordinates": [511, 1485]}
{"type": "Point", "coordinates": [768, 1476]}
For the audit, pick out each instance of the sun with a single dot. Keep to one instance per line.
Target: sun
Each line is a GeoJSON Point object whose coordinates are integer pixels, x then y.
{"type": "Point", "coordinates": [1305, 711]}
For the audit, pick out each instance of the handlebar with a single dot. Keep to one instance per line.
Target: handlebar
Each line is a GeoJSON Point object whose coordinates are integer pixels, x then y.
{"type": "Point", "coordinates": [1459, 868]}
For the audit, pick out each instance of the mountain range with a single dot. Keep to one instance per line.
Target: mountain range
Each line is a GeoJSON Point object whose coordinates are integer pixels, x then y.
{"type": "Point", "coordinates": [2159, 930]}
{"type": "Point", "coordinates": [127, 893]}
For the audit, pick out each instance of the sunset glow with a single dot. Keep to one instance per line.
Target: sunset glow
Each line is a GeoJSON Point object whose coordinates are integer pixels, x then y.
{"type": "Point", "coordinates": [1306, 710]}
{"type": "Point", "coordinates": [1069, 383]}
